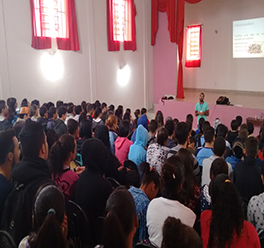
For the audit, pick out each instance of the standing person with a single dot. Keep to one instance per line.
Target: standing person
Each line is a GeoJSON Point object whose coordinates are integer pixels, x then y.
{"type": "Point", "coordinates": [201, 108]}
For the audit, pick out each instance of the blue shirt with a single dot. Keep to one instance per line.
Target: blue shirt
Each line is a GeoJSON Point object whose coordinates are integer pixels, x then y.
{"type": "Point", "coordinates": [141, 201]}
{"type": "Point", "coordinates": [201, 108]}
{"type": "Point", "coordinates": [205, 152]}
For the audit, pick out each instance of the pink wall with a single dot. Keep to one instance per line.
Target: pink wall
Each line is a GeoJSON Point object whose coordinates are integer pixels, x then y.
{"type": "Point", "coordinates": [164, 62]}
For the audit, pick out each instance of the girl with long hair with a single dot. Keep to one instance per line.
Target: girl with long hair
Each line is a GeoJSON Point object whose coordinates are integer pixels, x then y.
{"type": "Point", "coordinates": [159, 119]}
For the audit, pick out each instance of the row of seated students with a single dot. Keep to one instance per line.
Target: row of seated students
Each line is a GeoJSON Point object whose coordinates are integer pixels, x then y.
{"type": "Point", "coordinates": [79, 160]}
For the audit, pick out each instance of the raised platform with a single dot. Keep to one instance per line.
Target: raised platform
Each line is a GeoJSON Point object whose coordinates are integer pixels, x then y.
{"type": "Point", "coordinates": [245, 104]}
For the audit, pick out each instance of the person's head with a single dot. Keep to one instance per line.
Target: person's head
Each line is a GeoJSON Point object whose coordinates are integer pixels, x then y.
{"type": "Point", "coordinates": [243, 134]}
{"type": "Point", "coordinates": [83, 104]}
{"type": "Point", "coordinates": [3, 108]}
{"type": "Point", "coordinates": [192, 142]}
{"type": "Point", "coordinates": [70, 109]}
{"type": "Point", "coordinates": [73, 128]}
{"type": "Point", "coordinates": [97, 113]}
{"type": "Point", "coordinates": [234, 125]}
{"type": "Point", "coordinates": [89, 148]}
{"type": "Point", "coordinates": [85, 129]}
{"type": "Point", "coordinates": [43, 111]}
{"type": "Point", "coordinates": [201, 122]}
{"type": "Point", "coordinates": [150, 180]}
{"type": "Point", "coordinates": [104, 107]}
{"type": "Point", "coordinates": [159, 118]}
{"type": "Point", "coordinates": [206, 125]}
{"type": "Point", "coordinates": [52, 114]}
{"type": "Point", "coordinates": [251, 147]}
{"type": "Point", "coordinates": [49, 211]}
{"type": "Point", "coordinates": [82, 116]}
{"type": "Point", "coordinates": [12, 104]}
{"type": "Point", "coordinates": [250, 128]}
{"type": "Point", "coordinates": [62, 112]}
{"type": "Point", "coordinates": [111, 122]}
{"type": "Point", "coordinates": [121, 220]}
{"type": "Point", "coordinates": [78, 109]}
{"type": "Point", "coordinates": [239, 120]}
{"type": "Point", "coordinates": [209, 135]}
{"type": "Point", "coordinates": [9, 149]}
{"type": "Point", "coordinates": [52, 137]}
{"type": "Point", "coordinates": [123, 130]}
{"type": "Point", "coordinates": [238, 149]}
{"type": "Point", "coordinates": [59, 103]}
{"type": "Point", "coordinates": [24, 103]}
{"type": "Point", "coordinates": [219, 166]}
{"type": "Point", "coordinates": [128, 110]}
{"type": "Point", "coordinates": [50, 104]}
{"type": "Point", "coordinates": [126, 117]}
{"type": "Point", "coordinates": [189, 118]}
{"type": "Point", "coordinates": [24, 113]}
{"type": "Point", "coordinates": [224, 224]}
{"type": "Point", "coordinates": [175, 232]}
{"type": "Point", "coordinates": [90, 108]}
{"type": "Point", "coordinates": [102, 133]}
{"type": "Point", "coordinates": [153, 125]}
{"type": "Point", "coordinates": [36, 102]}
{"type": "Point", "coordinates": [119, 113]}
{"type": "Point", "coordinates": [221, 131]}
{"type": "Point", "coordinates": [216, 123]}
{"type": "Point", "coordinates": [169, 125]}
{"type": "Point", "coordinates": [33, 141]}
{"type": "Point", "coordinates": [219, 146]}
{"type": "Point", "coordinates": [18, 126]}
{"type": "Point", "coordinates": [97, 104]}
{"type": "Point", "coordinates": [162, 136]}
{"type": "Point", "coordinates": [61, 153]}
{"type": "Point", "coordinates": [172, 175]}
{"type": "Point", "coordinates": [111, 108]}
{"type": "Point", "coordinates": [137, 113]}
{"type": "Point", "coordinates": [33, 110]}
{"type": "Point", "coordinates": [201, 97]}
{"type": "Point", "coordinates": [182, 132]}
{"type": "Point", "coordinates": [143, 111]}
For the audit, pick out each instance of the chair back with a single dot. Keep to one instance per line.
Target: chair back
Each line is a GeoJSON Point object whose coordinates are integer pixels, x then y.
{"type": "Point", "coordinates": [113, 182]}
{"type": "Point", "coordinates": [6, 241]}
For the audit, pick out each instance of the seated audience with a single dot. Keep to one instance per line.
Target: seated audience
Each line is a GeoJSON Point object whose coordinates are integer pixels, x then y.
{"type": "Point", "coordinates": [111, 123]}
{"type": "Point", "coordinates": [189, 120]}
{"type": "Point", "coordinates": [169, 125]}
{"type": "Point", "coordinates": [237, 154]}
{"type": "Point", "coordinates": [85, 133]}
{"type": "Point", "coordinates": [52, 115]}
{"type": "Point", "coordinates": [137, 115]}
{"type": "Point", "coordinates": [70, 113]}
{"type": "Point", "coordinates": [224, 225]}
{"type": "Point", "coordinates": [90, 111]}
{"type": "Point", "coordinates": [239, 120]}
{"type": "Point", "coordinates": [250, 128]}
{"type": "Point", "coordinates": [62, 154]}
{"type": "Point", "coordinates": [59, 124]}
{"type": "Point", "coordinates": [233, 133]}
{"type": "Point", "coordinates": [78, 111]}
{"type": "Point", "coordinates": [191, 145]}
{"type": "Point", "coordinates": [153, 126]}
{"type": "Point", "coordinates": [12, 114]}
{"type": "Point", "coordinates": [148, 190]}
{"type": "Point", "coordinates": [159, 119]}
{"type": "Point", "coordinates": [143, 120]}
{"type": "Point", "coordinates": [177, 234]}
{"type": "Point", "coordinates": [221, 131]}
{"type": "Point", "coordinates": [73, 128]}
{"type": "Point", "coordinates": [50, 220]}
{"type": "Point", "coordinates": [43, 119]}
{"type": "Point", "coordinates": [97, 121]}
{"type": "Point", "coordinates": [157, 152]}
{"type": "Point", "coordinates": [34, 112]}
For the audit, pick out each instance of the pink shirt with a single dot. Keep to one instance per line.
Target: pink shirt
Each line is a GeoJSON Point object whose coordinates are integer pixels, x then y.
{"type": "Point", "coordinates": [122, 145]}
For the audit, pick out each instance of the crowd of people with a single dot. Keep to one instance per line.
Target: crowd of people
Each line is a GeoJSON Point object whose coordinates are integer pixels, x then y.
{"type": "Point", "coordinates": [156, 182]}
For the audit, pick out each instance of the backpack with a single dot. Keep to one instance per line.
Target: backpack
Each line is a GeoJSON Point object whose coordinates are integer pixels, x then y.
{"type": "Point", "coordinates": [223, 100]}
{"type": "Point", "coordinates": [17, 215]}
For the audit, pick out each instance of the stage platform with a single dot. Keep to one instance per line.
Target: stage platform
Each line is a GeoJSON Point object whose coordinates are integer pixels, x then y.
{"type": "Point", "coordinates": [246, 104]}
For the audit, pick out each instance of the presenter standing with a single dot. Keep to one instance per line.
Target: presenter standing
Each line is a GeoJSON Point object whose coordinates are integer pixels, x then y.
{"type": "Point", "coordinates": [201, 108]}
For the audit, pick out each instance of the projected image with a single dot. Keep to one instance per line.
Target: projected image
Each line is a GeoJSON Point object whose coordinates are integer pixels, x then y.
{"type": "Point", "coordinates": [248, 38]}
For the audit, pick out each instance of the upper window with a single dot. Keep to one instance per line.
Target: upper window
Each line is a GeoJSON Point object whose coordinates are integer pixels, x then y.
{"type": "Point", "coordinates": [51, 18]}
{"type": "Point", "coordinates": [122, 23]}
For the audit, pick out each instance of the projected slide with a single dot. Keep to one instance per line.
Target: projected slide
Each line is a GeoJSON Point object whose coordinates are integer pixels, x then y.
{"type": "Point", "coordinates": [248, 38]}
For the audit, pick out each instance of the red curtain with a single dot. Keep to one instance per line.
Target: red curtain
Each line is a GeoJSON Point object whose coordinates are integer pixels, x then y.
{"type": "Point", "coordinates": [38, 42]}
{"type": "Point", "coordinates": [72, 42]}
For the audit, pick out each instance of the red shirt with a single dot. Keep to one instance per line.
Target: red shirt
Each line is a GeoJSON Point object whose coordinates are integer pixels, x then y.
{"type": "Point", "coordinates": [248, 239]}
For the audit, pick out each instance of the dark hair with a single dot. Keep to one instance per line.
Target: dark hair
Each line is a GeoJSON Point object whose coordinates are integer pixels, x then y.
{"type": "Point", "coordinates": [126, 117]}
{"type": "Point", "coordinates": [149, 175]}
{"type": "Point", "coordinates": [24, 103]}
{"type": "Point", "coordinates": [243, 134]}
{"type": "Point", "coordinates": [159, 118]}
{"type": "Point", "coordinates": [169, 125]}
{"type": "Point", "coordinates": [119, 113]}
{"type": "Point", "coordinates": [70, 109]}
{"type": "Point", "coordinates": [224, 224]}
{"type": "Point", "coordinates": [119, 220]}
{"type": "Point", "coordinates": [201, 122]}
{"type": "Point", "coordinates": [153, 125]}
{"type": "Point", "coordinates": [182, 132]}
{"type": "Point", "coordinates": [85, 129]}
{"type": "Point", "coordinates": [82, 116]}
{"type": "Point", "coordinates": [6, 144]}
{"type": "Point", "coordinates": [221, 130]}
{"type": "Point", "coordinates": [59, 103]}
{"type": "Point", "coordinates": [72, 126]}
{"type": "Point", "coordinates": [219, 146]}
{"type": "Point", "coordinates": [49, 209]}
{"type": "Point", "coordinates": [172, 174]}
{"type": "Point", "coordinates": [52, 111]}
{"type": "Point", "coordinates": [237, 148]}
{"type": "Point", "coordinates": [143, 111]}
{"type": "Point", "coordinates": [234, 125]}
{"type": "Point", "coordinates": [32, 137]}
{"type": "Point", "coordinates": [59, 153]}
{"type": "Point", "coordinates": [2, 105]}
{"type": "Point", "coordinates": [62, 111]}
{"type": "Point", "coordinates": [239, 120]}
{"type": "Point", "coordinates": [17, 127]}
{"type": "Point", "coordinates": [219, 166]}
{"type": "Point", "coordinates": [50, 104]}
{"type": "Point", "coordinates": [123, 130]}
{"type": "Point", "coordinates": [209, 135]}
{"type": "Point", "coordinates": [83, 104]}
{"type": "Point", "coordinates": [11, 102]}
{"type": "Point", "coordinates": [78, 109]}
{"type": "Point", "coordinates": [128, 110]}
{"type": "Point", "coordinates": [111, 107]}
{"type": "Point", "coordinates": [33, 110]}
{"type": "Point", "coordinates": [89, 107]}
{"type": "Point", "coordinates": [162, 135]}
{"type": "Point", "coordinates": [97, 104]}
{"type": "Point", "coordinates": [251, 147]}
{"type": "Point", "coordinates": [103, 105]}
{"type": "Point", "coordinates": [189, 118]}
{"type": "Point", "coordinates": [43, 110]}
{"type": "Point", "coordinates": [175, 232]}
{"type": "Point", "coordinates": [36, 102]}
{"type": "Point", "coordinates": [250, 128]}
{"type": "Point", "coordinates": [137, 113]}
{"type": "Point", "coordinates": [52, 137]}
{"type": "Point", "coordinates": [102, 133]}
{"type": "Point", "coordinates": [97, 112]}
{"type": "Point", "coordinates": [187, 192]}
{"type": "Point", "coordinates": [206, 125]}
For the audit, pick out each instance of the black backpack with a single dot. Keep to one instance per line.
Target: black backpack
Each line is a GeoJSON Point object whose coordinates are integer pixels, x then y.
{"type": "Point", "coordinates": [17, 216]}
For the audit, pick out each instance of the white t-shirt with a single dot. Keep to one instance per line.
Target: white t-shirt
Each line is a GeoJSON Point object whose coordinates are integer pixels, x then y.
{"type": "Point", "coordinates": [158, 211]}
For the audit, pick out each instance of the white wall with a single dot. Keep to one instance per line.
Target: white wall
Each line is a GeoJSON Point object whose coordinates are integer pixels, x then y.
{"type": "Point", "coordinates": [218, 69]}
{"type": "Point", "coordinates": [90, 73]}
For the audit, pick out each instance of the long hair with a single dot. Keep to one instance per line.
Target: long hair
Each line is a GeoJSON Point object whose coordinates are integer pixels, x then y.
{"type": "Point", "coordinates": [11, 103]}
{"type": "Point", "coordinates": [119, 221]}
{"type": "Point", "coordinates": [49, 209]}
{"type": "Point", "coordinates": [227, 212]}
{"type": "Point", "coordinates": [149, 175]}
{"type": "Point", "coordinates": [59, 153]}
{"type": "Point", "coordinates": [159, 118]}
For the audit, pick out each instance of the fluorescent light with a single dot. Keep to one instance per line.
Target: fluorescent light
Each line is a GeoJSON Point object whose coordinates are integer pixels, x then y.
{"type": "Point", "coordinates": [123, 75]}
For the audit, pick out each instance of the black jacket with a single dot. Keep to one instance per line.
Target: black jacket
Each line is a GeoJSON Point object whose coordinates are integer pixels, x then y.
{"type": "Point", "coordinates": [60, 127]}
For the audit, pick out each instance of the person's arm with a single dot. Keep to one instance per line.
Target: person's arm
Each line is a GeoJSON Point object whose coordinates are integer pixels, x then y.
{"type": "Point", "coordinates": [196, 113]}
{"type": "Point", "coordinates": [206, 112]}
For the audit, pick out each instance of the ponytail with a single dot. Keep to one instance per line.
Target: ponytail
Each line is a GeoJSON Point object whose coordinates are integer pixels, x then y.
{"type": "Point", "coordinates": [149, 175]}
